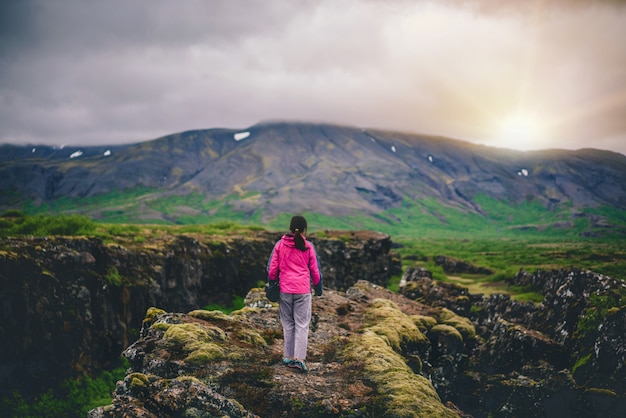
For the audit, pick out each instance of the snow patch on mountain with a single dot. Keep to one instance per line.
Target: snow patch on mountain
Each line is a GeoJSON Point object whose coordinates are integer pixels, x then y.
{"type": "Point", "coordinates": [241, 135]}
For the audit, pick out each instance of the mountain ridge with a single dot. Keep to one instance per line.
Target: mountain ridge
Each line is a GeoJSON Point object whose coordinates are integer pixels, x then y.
{"type": "Point", "coordinates": [276, 167]}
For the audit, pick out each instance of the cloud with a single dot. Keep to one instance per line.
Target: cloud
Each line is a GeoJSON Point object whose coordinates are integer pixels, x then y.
{"type": "Point", "coordinates": [109, 72]}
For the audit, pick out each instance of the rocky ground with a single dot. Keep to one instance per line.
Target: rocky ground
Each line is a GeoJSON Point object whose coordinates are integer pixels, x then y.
{"type": "Point", "coordinates": [432, 351]}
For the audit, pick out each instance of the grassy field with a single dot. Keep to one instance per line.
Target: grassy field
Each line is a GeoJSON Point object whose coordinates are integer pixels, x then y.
{"type": "Point", "coordinates": [506, 256]}
{"type": "Point", "coordinates": [503, 247]}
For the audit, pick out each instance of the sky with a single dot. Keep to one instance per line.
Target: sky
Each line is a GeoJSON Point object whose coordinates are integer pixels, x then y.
{"type": "Point", "coordinates": [524, 75]}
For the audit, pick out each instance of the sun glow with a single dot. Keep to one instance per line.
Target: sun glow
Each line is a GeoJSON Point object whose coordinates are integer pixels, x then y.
{"type": "Point", "coordinates": [522, 131]}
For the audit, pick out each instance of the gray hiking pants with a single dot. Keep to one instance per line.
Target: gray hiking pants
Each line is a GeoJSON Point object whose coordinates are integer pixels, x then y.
{"type": "Point", "coordinates": [295, 315]}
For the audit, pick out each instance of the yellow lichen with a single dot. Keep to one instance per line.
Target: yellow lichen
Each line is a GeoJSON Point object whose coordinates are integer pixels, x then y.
{"type": "Point", "coordinates": [138, 380]}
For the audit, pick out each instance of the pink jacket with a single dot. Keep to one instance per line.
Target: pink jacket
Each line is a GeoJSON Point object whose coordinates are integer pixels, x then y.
{"type": "Point", "coordinates": [293, 267]}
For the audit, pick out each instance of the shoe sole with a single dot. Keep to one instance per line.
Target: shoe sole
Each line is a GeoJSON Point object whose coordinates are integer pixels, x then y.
{"type": "Point", "coordinates": [298, 368]}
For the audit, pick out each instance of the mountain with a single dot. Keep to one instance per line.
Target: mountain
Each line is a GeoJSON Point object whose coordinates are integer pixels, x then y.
{"type": "Point", "coordinates": [357, 177]}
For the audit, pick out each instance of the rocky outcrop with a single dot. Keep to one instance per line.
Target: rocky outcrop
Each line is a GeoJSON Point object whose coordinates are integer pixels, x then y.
{"type": "Point", "coordinates": [375, 353]}
{"type": "Point", "coordinates": [370, 354]}
{"type": "Point", "coordinates": [562, 357]}
{"type": "Point", "coordinates": [71, 305]}
{"type": "Point", "coordinates": [453, 265]}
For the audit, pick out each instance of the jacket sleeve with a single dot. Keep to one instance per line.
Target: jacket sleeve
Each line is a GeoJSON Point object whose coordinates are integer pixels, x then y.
{"type": "Point", "coordinates": [272, 263]}
{"type": "Point", "coordinates": [314, 266]}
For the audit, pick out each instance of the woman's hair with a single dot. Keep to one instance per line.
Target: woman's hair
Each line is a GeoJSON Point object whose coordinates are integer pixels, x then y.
{"type": "Point", "coordinates": [297, 226]}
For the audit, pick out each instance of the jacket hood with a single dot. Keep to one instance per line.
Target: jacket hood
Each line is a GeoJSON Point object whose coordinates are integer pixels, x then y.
{"type": "Point", "coordinates": [287, 240]}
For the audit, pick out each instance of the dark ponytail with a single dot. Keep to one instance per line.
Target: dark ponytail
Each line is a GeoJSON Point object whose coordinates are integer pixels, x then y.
{"type": "Point", "coordinates": [298, 226]}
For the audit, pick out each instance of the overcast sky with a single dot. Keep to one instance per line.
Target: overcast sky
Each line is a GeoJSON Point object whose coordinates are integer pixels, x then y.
{"type": "Point", "coordinates": [530, 75]}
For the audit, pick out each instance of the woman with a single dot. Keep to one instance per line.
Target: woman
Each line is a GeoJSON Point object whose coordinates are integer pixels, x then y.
{"type": "Point", "coordinates": [294, 262]}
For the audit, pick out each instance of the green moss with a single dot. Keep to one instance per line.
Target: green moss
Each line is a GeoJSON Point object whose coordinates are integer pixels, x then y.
{"type": "Point", "coordinates": [205, 353]}
{"type": "Point", "coordinates": [598, 307]}
{"type": "Point", "coordinates": [475, 309]}
{"type": "Point", "coordinates": [581, 362]}
{"type": "Point", "coordinates": [613, 311]}
{"type": "Point", "coordinates": [189, 334]}
{"type": "Point", "coordinates": [462, 324]}
{"type": "Point", "coordinates": [200, 342]}
{"type": "Point", "coordinates": [210, 315]}
{"type": "Point", "coordinates": [236, 356]}
{"type": "Point", "coordinates": [244, 311]}
{"type": "Point", "coordinates": [399, 331]}
{"type": "Point", "coordinates": [403, 393]}
{"type": "Point", "coordinates": [447, 330]}
{"type": "Point", "coordinates": [187, 378]}
{"type": "Point", "coordinates": [601, 391]}
{"type": "Point", "coordinates": [151, 315]}
{"type": "Point", "coordinates": [113, 277]}
{"type": "Point", "coordinates": [251, 337]}
{"type": "Point", "coordinates": [161, 326]}
{"type": "Point", "coordinates": [424, 323]}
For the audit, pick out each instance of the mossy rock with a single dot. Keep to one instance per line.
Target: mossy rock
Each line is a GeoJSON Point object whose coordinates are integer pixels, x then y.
{"type": "Point", "coordinates": [205, 353]}
{"type": "Point", "coordinates": [161, 326]}
{"type": "Point", "coordinates": [190, 334]}
{"type": "Point", "coordinates": [424, 323]}
{"type": "Point", "coordinates": [398, 329]}
{"type": "Point", "coordinates": [151, 315]}
{"type": "Point", "coordinates": [251, 337]}
{"type": "Point", "coordinates": [404, 393]}
{"type": "Point", "coordinates": [201, 342]}
{"type": "Point", "coordinates": [210, 316]}
{"type": "Point", "coordinates": [138, 380]}
{"type": "Point", "coordinates": [243, 312]}
{"type": "Point", "coordinates": [462, 324]}
{"type": "Point", "coordinates": [137, 383]}
{"type": "Point", "coordinates": [447, 330]}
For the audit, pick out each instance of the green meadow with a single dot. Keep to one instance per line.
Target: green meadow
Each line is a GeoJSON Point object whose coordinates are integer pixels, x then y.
{"type": "Point", "coordinates": [503, 237]}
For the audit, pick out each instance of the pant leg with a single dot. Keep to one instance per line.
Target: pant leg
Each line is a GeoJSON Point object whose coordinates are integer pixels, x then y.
{"type": "Point", "coordinates": [285, 308]}
{"type": "Point", "coordinates": [302, 319]}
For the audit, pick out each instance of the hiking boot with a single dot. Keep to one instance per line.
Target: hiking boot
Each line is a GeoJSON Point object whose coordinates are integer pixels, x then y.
{"type": "Point", "coordinates": [286, 361]}
{"type": "Point", "coordinates": [298, 365]}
